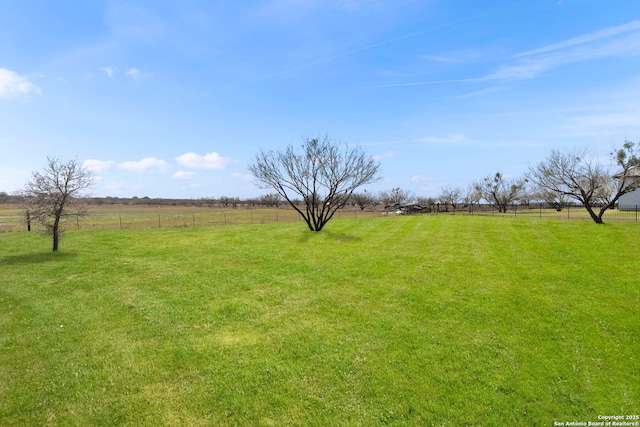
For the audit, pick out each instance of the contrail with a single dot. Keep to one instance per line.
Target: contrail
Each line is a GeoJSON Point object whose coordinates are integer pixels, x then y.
{"type": "Point", "coordinates": [331, 58]}
{"type": "Point", "coordinates": [372, 46]}
{"type": "Point", "coordinates": [435, 82]}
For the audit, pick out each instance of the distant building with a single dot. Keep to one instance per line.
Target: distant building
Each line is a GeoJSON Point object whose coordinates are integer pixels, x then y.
{"type": "Point", "coordinates": [631, 200]}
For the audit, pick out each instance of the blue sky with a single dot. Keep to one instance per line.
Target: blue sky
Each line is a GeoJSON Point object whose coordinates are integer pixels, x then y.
{"type": "Point", "coordinates": [173, 99]}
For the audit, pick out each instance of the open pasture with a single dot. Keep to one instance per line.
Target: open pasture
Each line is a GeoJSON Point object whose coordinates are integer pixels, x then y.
{"type": "Point", "coordinates": [148, 216]}
{"type": "Point", "coordinates": [419, 320]}
{"type": "Point", "coordinates": [166, 216]}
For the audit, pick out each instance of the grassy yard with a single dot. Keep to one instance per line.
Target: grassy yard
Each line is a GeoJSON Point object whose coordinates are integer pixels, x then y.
{"type": "Point", "coordinates": [421, 320]}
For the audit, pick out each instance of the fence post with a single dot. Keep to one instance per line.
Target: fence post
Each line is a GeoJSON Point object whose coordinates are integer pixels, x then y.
{"type": "Point", "coordinates": [120, 216]}
{"type": "Point", "coordinates": [159, 221]}
{"type": "Point", "coordinates": [636, 213]}
{"type": "Point", "coordinates": [568, 209]}
{"type": "Point", "coordinates": [193, 216]}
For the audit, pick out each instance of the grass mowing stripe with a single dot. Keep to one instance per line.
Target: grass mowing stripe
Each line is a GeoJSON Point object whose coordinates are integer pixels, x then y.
{"type": "Point", "coordinates": [393, 320]}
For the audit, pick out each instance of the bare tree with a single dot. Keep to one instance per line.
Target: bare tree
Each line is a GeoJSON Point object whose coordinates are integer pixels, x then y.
{"type": "Point", "coordinates": [396, 196]}
{"type": "Point", "coordinates": [430, 203]}
{"type": "Point", "coordinates": [450, 196]}
{"type": "Point", "coordinates": [471, 196]}
{"type": "Point", "coordinates": [322, 173]}
{"type": "Point", "coordinates": [227, 202]}
{"type": "Point", "coordinates": [363, 200]}
{"type": "Point", "coordinates": [527, 194]}
{"type": "Point", "coordinates": [577, 176]}
{"type": "Point", "coordinates": [53, 193]}
{"type": "Point", "coordinates": [270, 200]}
{"type": "Point", "coordinates": [209, 201]}
{"type": "Point", "coordinates": [500, 192]}
{"type": "Point", "coordinates": [556, 200]}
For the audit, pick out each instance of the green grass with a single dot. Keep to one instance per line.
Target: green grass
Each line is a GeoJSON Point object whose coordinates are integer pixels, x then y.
{"type": "Point", "coordinates": [422, 320]}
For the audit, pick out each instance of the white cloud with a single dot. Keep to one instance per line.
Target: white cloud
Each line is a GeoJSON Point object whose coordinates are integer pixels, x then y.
{"type": "Point", "coordinates": [420, 178]}
{"type": "Point", "coordinates": [442, 58]}
{"type": "Point", "coordinates": [145, 165]}
{"type": "Point", "coordinates": [98, 165]}
{"type": "Point", "coordinates": [288, 9]}
{"type": "Point", "coordinates": [108, 71]}
{"type": "Point", "coordinates": [130, 21]}
{"type": "Point", "coordinates": [211, 160]}
{"type": "Point", "coordinates": [465, 56]}
{"type": "Point", "coordinates": [352, 5]}
{"type": "Point", "coordinates": [13, 178]}
{"type": "Point", "coordinates": [118, 187]}
{"type": "Point", "coordinates": [437, 82]}
{"type": "Point", "coordinates": [604, 125]}
{"type": "Point", "coordinates": [451, 139]}
{"type": "Point", "coordinates": [134, 73]}
{"type": "Point", "coordinates": [184, 175]}
{"type": "Point", "coordinates": [621, 40]}
{"type": "Point", "coordinates": [242, 176]}
{"type": "Point", "coordinates": [296, 8]}
{"type": "Point", "coordinates": [425, 184]}
{"type": "Point", "coordinates": [587, 38]}
{"type": "Point", "coordinates": [386, 155]}
{"type": "Point", "coordinates": [526, 70]}
{"type": "Point", "coordinates": [609, 120]}
{"type": "Point", "coordinates": [13, 85]}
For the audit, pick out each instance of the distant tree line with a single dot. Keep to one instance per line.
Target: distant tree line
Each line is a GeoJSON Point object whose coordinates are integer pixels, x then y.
{"type": "Point", "coordinates": [562, 179]}
{"type": "Point", "coordinates": [320, 177]}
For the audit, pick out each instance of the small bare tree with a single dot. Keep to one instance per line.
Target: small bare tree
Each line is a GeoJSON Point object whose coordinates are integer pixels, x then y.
{"type": "Point", "coordinates": [430, 203]}
{"type": "Point", "coordinates": [556, 200]}
{"type": "Point", "coordinates": [396, 196]}
{"type": "Point", "coordinates": [52, 194]}
{"type": "Point", "coordinates": [322, 173]}
{"type": "Point", "coordinates": [271, 200]}
{"type": "Point", "coordinates": [500, 192]}
{"type": "Point", "coordinates": [577, 176]}
{"type": "Point", "coordinates": [363, 200]}
{"type": "Point", "coordinates": [471, 196]}
{"type": "Point", "coordinates": [450, 196]}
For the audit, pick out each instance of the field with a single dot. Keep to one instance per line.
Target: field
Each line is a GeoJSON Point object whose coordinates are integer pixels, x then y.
{"type": "Point", "coordinates": [161, 216]}
{"type": "Point", "coordinates": [142, 216]}
{"type": "Point", "coordinates": [420, 320]}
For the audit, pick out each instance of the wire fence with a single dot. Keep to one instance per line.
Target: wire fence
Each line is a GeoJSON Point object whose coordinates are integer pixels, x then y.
{"type": "Point", "coordinates": [13, 220]}
{"type": "Point", "coordinates": [569, 212]}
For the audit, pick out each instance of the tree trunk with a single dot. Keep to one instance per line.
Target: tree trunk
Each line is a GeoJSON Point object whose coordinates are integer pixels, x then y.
{"type": "Point", "coordinates": [603, 209]}
{"type": "Point", "coordinates": [596, 218]}
{"type": "Point", "coordinates": [55, 240]}
{"type": "Point", "coordinates": [600, 214]}
{"type": "Point", "coordinates": [55, 231]}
